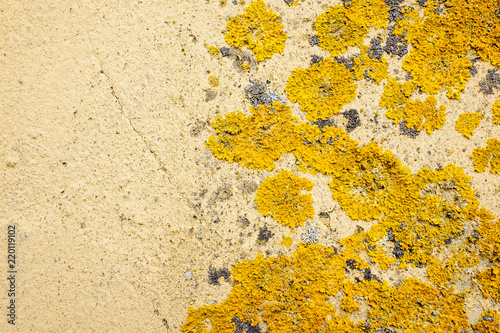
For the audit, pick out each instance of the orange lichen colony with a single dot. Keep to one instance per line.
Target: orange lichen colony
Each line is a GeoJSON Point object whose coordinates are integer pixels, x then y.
{"type": "Point", "coordinates": [213, 81]}
{"type": "Point", "coordinates": [366, 67]}
{"type": "Point", "coordinates": [257, 28]}
{"type": "Point", "coordinates": [280, 196]}
{"type": "Point", "coordinates": [489, 280]}
{"type": "Point", "coordinates": [441, 42]}
{"type": "Point", "coordinates": [438, 58]}
{"type": "Point", "coordinates": [481, 22]}
{"type": "Point", "coordinates": [489, 323]}
{"type": "Point", "coordinates": [256, 141]}
{"type": "Point", "coordinates": [322, 89]}
{"type": "Point", "coordinates": [326, 151]}
{"type": "Point", "coordinates": [369, 179]}
{"type": "Point", "coordinates": [496, 112]}
{"type": "Point", "coordinates": [431, 219]}
{"type": "Point", "coordinates": [416, 114]}
{"type": "Point", "coordinates": [467, 123]}
{"type": "Point", "coordinates": [489, 155]}
{"type": "Point", "coordinates": [292, 294]}
{"type": "Point", "coordinates": [340, 27]}
{"type": "Point", "coordinates": [488, 239]}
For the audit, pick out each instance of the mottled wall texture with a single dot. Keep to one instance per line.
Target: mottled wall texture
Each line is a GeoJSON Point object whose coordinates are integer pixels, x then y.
{"type": "Point", "coordinates": [250, 166]}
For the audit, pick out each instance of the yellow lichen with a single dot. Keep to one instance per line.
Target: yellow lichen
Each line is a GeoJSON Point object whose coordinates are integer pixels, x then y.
{"type": "Point", "coordinates": [467, 123]}
{"type": "Point", "coordinates": [349, 304]}
{"type": "Point", "coordinates": [366, 67]}
{"type": "Point", "coordinates": [489, 155]}
{"type": "Point", "coordinates": [213, 81]}
{"type": "Point", "coordinates": [489, 280]}
{"type": "Point", "coordinates": [292, 294]}
{"type": "Point", "coordinates": [324, 151]}
{"type": "Point", "coordinates": [336, 31]}
{"type": "Point", "coordinates": [496, 112]}
{"type": "Point", "coordinates": [256, 141]}
{"type": "Point", "coordinates": [481, 21]}
{"type": "Point", "coordinates": [438, 274]}
{"type": "Point", "coordinates": [341, 324]}
{"type": "Point", "coordinates": [287, 241]}
{"type": "Point", "coordinates": [430, 218]}
{"type": "Point", "coordinates": [367, 181]}
{"type": "Point", "coordinates": [412, 307]}
{"type": "Point", "coordinates": [489, 235]}
{"type": "Point", "coordinates": [429, 212]}
{"type": "Point", "coordinates": [287, 293]}
{"type": "Point", "coordinates": [489, 322]}
{"type": "Point", "coordinates": [438, 58]}
{"type": "Point", "coordinates": [425, 115]}
{"type": "Point", "coordinates": [462, 258]}
{"type": "Point", "coordinates": [368, 13]}
{"type": "Point", "coordinates": [213, 50]}
{"type": "Point", "coordinates": [280, 197]}
{"type": "Point", "coordinates": [417, 114]}
{"type": "Point", "coordinates": [257, 28]}
{"type": "Point", "coordinates": [322, 89]}
{"type": "Point", "coordinates": [416, 306]}
{"type": "Point", "coordinates": [395, 97]}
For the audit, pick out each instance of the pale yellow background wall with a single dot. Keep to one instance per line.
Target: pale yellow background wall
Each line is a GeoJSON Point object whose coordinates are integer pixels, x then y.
{"type": "Point", "coordinates": [104, 170]}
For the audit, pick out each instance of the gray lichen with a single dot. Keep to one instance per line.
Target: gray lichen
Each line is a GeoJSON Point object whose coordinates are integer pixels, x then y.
{"type": "Point", "coordinates": [311, 236]}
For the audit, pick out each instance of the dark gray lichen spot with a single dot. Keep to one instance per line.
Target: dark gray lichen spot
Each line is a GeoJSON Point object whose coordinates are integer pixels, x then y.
{"type": "Point", "coordinates": [351, 264]}
{"type": "Point", "coordinates": [353, 120]}
{"type": "Point", "coordinates": [368, 276]}
{"type": "Point", "coordinates": [316, 59]}
{"type": "Point", "coordinates": [314, 40]}
{"type": "Point", "coordinates": [264, 235]}
{"type": "Point", "coordinates": [396, 45]}
{"type": "Point", "coordinates": [348, 62]}
{"type": "Point", "coordinates": [225, 51]}
{"type": "Point", "coordinates": [491, 81]}
{"type": "Point", "coordinates": [409, 76]}
{"type": "Point", "coordinates": [214, 275]}
{"type": "Point", "coordinates": [322, 123]}
{"type": "Point", "coordinates": [398, 250]}
{"type": "Point", "coordinates": [472, 68]}
{"type": "Point", "coordinates": [244, 326]}
{"type": "Point", "coordinates": [347, 3]}
{"type": "Point", "coordinates": [390, 236]}
{"type": "Point", "coordinates": [395, 9]}
{"type": "Point", "coordinates": [488, 318]}
{"type": "Point", "coordinates": [375, 51]}
{"type": "Point", "coordinates": [411, 132]}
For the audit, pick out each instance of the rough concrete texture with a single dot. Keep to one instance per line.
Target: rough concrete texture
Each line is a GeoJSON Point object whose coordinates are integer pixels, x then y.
{"type": "Point", "coordinates": [119, 209]}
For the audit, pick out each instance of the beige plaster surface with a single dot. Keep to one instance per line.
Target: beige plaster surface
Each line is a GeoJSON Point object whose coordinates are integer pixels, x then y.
{"type": "Point", "coordinates": [119, 208]}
